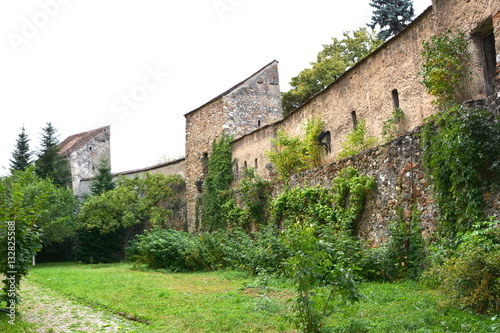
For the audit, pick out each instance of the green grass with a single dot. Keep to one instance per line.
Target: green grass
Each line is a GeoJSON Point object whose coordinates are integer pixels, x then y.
{"type": "Point", "coordinates": [232, 302]}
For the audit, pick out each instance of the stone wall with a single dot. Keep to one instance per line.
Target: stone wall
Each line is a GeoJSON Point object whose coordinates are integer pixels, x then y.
{"type": "Point", "coordinates": [247, 106]}
{"type": "Point", "coordinates": [387, 78]}
{"type": "Point", "coordinates": [84, 151]}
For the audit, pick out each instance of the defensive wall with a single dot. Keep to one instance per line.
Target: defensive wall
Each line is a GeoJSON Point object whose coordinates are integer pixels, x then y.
{"type": "Point", "coordinates": [370, 90]}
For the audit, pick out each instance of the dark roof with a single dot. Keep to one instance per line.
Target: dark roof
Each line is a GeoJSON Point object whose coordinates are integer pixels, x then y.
{"type": "Point", "coordinates": [76, 141]}
{"type": "Point", "coordinates": [233, 87]}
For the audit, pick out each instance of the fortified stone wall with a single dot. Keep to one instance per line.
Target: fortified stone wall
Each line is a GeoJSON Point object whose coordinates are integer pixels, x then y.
{"type": "Point", "coordinates": [252, 103]}
{"type": "Point", "coordinates": [387, 78]}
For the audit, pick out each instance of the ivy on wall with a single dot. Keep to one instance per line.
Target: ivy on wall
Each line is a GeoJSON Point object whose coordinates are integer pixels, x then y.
{"type": "Point", "coordinates": [294, 154]}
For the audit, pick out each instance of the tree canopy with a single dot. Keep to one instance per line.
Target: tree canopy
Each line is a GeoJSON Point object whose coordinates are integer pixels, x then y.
{"type": "Point", "coordinates": [391, 16]}
{"type": "Point", "coordinates": [331, 62]}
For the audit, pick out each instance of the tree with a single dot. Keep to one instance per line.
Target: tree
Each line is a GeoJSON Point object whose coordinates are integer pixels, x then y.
{"type": "Point", "coordinates": [19, 232]}
{"type": "Point", "coordinates": [103, 179]}
{"type": "Point", "coordinates": [21, 156]}
{"type": "Point", "coordinates": [331, 62]}
{"type": "Point", "coordinates": [50, 164]}
{"type": "Point", "coordinates": [391, 16]}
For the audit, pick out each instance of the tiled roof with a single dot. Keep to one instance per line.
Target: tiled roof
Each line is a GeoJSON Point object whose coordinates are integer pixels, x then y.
{"type": "Point", "coordinates": [76, 141]}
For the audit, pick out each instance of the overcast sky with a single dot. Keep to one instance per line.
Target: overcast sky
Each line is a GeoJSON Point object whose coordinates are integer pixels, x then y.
{"type": "Point", "coordinates": [140, 65]}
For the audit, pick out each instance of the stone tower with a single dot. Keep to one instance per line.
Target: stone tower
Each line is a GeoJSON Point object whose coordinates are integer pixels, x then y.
{"type": "Point", "coordinates": [242, 109]}
{"type": "Point", "coordinates": [84, 151]}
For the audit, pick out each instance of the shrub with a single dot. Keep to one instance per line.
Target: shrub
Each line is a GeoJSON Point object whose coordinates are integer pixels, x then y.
{"type": "Point", "coordinates": [357, 141]}
{"type": "Point", "coordinates": [471, 277]}
{"type": "Point", "coordinates": [167, 249]}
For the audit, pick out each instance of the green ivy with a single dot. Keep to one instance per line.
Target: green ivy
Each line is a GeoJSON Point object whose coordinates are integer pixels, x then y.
{"type": "Point", "coordinates": [389, 127]}
{"type": "Point", "coordinates": [218, 200]}
{"type": "Point", "coordinates": [444, 68]}
{"type": "Point", "coordinates": [255, 196]}
{"type": "Point", "coordinates": [461, 152]}
{"type": "Point", "coordinates": [357, 141]}
{"type": "Point", "coordinates": [294, 154]}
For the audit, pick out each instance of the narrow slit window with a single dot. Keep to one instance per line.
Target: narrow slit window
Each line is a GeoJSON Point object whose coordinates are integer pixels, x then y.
{"type": "Point", "coordinates": [395, 99]}
{"type": "Point", "coordinates": [354, 120]}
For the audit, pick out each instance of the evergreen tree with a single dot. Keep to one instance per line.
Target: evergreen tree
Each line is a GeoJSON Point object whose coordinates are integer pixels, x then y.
{"type": "Point", "coordinates": [50, 164]}
{"type": "Point", "coordinates": [103, 179]}
{"type": "Point", "coordinates": [21, 156]}
{"type": "Point", "coordinates": [391, 16]}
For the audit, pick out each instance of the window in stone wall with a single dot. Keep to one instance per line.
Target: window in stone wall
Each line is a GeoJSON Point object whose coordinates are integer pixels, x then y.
{"type": "Point", "coordinates": [258, 123]}
{"type": "Point", "coordinates": [489, 61]}
{"type": "Point", "coordinates": [245, 166]}
{"type": "Point", "coordinates": [235, 170]}
{"type": "Point", "coordinates": [204, 163]}
{"type": "Point", "coordinates": [354, 120]}
{"type": "Point", "coordinates": [256, 164]}
{"type": "Point", "coordinates": [395, 99]}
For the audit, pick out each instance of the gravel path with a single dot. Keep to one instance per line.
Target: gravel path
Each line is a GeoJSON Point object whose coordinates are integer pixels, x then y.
{"type": "Point", "coordinates": [54, 313]}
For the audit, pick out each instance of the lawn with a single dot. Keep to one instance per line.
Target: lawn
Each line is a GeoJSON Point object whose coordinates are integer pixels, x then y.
{"type": "Point", "coordinates": [230, 301]}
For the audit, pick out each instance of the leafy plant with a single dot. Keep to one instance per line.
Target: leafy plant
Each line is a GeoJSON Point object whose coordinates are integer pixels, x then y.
{"type": "Point", "coordinates": [356, 141]}
{"type": "Point", "coordinates": [390, 126]}
{"type": "Point", "coordinates": [461, 152]}
{"type": "Point", "coordinates": [294, 154]}
{"type": "Point", "coordinates": [218, 202]}
{"type": "Point", "coordinates": [471, 277]}
{"type": "Point", "coordinates": [444, 68]}
{"type": "Point", "coordinates": [311, 267]}
{"type": "Point", "coordinates": [255, 196]}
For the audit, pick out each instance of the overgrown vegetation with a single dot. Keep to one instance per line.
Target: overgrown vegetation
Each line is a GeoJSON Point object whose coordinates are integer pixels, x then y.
{"type": "Point", "coordinates": [444, 67]}
{"type": "Point", "coordinates": [356, 141]}
{"type": "Point", "coordinates": [218, 199]}
{"type": "Point", "coordinates": [390, 127]}
{"type": "Point", "coordinates": [294, 154]}
{"type": "Point", "coordinates": [461, 152]}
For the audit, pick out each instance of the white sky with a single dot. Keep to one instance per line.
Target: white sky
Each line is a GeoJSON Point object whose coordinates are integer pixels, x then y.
{"type": "Point", "coordinates": [81, 64]}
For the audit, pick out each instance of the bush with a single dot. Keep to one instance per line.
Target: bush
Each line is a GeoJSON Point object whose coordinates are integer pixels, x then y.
{"type": "Point", "coordinates": [167, 249]}
{"type": "Point", "coordinates": [471, 277]}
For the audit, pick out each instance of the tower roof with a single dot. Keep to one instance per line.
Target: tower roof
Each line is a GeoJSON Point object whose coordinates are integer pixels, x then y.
{"type": "Point", "coordinates": [76, 141]}
{"type": "Point", "coordinates": [234, 87]}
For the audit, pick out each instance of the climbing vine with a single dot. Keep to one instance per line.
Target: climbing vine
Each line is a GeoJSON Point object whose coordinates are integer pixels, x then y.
{"type": "Point", "coordinates": [461, 152]}
{"type": "Point", "coordinates": [218, 201]}
{"type": "Point", "coordinates": [390, 126]}
{"type": "Point", "coordinates": [357, 141]}
{"type": "Point", "coordinates": [444, 68]}
{"type": "Point", "coordinates": [294, 154]}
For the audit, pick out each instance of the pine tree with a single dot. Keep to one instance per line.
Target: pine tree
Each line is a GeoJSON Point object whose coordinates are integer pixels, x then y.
{"type": "Point", "coordinates": [21, 156]}
{"type": "Point", "coordinates": [103, 179]}
{"type": "Point", "coordinates": [51, 165]}
{"type": "Point", "coordinates": [391, 16]}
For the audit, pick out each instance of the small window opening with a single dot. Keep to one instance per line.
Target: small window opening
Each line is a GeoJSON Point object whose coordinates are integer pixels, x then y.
{"type": "Point", "coordinates": [258, 123]}
{"type": "Point", "coordinates": [90, 148]}
{"type": "Point", "coordinates": [395, 103]}
{"type": "Point", "coordinates": [395, 99]}
{"type": "Point", "coordinates": [256, 164]}
{"type": "Point", "coordinates": [235, 170]}
{"type": "Point", "coordinates": [354, 120]}
{"type": "Point", "coordinates": [204, 163]}
{"type": "Point", "coordinates": [245, 165]}
{"type": "Point", "coordinates": [489, 62]}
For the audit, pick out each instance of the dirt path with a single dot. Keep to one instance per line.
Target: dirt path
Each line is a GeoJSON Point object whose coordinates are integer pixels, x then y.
{"type": "Point", "coordinates": [54, 313]}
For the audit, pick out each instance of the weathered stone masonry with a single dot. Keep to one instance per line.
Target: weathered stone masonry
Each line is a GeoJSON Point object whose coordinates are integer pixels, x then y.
{"type": "Point", "coordinates": [370, 90]}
